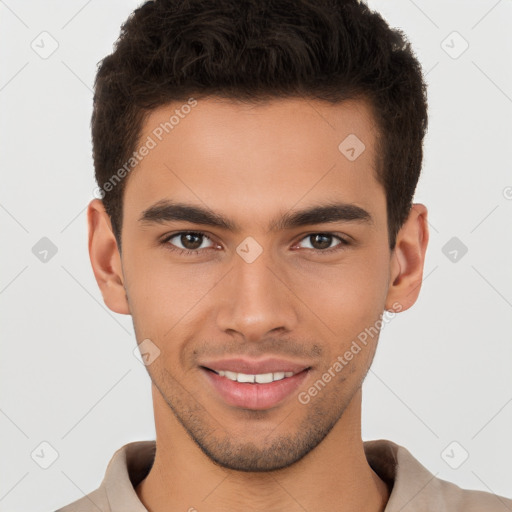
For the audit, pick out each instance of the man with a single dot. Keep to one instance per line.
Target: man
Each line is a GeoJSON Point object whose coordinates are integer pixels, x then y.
{"type": "Point", "coordinates": [257, 162]}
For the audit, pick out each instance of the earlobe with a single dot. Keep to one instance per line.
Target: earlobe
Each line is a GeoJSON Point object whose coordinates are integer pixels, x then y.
{"type": "Point", "coordinates": [105, 258]}
{"type": "Point", "coordinates": [408, 258]}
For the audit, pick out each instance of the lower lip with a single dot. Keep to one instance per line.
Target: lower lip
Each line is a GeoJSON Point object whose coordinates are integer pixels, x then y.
{"type": "Point", "coordinates": [255, 396]}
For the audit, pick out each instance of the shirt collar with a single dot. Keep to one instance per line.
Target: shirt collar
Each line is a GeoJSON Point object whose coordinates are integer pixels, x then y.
{"type": "Point", "coordinates": [408, 480]}
{"type": "Point", "coordinates": [127, 468]}
{"type": "Point", "coordinates": [412, 485]}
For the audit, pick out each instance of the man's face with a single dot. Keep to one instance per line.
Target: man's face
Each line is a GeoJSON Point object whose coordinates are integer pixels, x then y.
{"type": "Point", "coordinates": [303, 299]}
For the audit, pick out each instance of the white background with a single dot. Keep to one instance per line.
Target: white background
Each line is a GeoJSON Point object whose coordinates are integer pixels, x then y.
{"type": "Point", "coordinates": [442, 372]}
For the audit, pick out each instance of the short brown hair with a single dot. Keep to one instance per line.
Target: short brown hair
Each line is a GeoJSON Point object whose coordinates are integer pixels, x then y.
{"type": "Point", "coordinates": [252, 50]}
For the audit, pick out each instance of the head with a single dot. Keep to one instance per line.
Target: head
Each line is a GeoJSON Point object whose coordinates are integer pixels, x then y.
{"type": "Point", "coordinates": [257, 163]}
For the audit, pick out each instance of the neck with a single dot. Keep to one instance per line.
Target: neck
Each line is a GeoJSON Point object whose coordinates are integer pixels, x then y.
{"type": "Point", "coordinates": [333, 476]}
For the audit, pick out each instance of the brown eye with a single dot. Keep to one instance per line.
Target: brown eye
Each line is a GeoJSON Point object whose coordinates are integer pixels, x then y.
{"type": "Point", "coordinates": [187, 241]}
{"type": "Point", "coordinates": [191, 241]}
{"type": "Point", "coordinates": [322, 242]}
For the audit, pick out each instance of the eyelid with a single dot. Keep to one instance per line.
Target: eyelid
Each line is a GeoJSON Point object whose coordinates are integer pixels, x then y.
{"type": "Point", "coordinates": [342, 237]}
{"type": "Point", "coordinates": [344, 240]}
{"type": "Point", "coordinates": [169, 236]}
{"type": "Point", "coordinates": [336, 234]}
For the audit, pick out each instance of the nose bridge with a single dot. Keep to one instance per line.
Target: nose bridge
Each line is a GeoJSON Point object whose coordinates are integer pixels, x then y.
{"type": "Point", "coordinates": [256, 301]}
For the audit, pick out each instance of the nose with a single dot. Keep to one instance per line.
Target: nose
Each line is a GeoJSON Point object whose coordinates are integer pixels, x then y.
{"type": "Point", "coordinates": [255, 299]}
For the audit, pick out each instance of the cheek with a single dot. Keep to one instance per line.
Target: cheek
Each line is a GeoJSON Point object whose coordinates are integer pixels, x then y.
{"type": "Point", "coordinates": [347, 302]}
{"type": "Point", "coordinates": [160, 287]}
{"type": "Point", "coordinates": [349, 292]}
{"type": "Point", "coordinates": [339, 300]}
{"type": "Point", "coordinates": [169, 303]}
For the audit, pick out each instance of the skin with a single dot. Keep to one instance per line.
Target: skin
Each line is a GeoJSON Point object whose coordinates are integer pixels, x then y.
{"type": "Point", "coordinates": [252, 163]}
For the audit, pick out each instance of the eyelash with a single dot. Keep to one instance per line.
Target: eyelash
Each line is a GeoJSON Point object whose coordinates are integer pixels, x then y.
{"type": "Point", "coordinates": [191, 252]}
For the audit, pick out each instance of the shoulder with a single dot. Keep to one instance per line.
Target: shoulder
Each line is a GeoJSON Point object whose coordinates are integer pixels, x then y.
{"type": "Point", "coordinates": [415, 488]}
{"type": "Point", "coordinates": [95, 501]}
{"type": "Point", "coordinates": [116, 493]}
{"type": "Point", "coordinates": [455, 498]}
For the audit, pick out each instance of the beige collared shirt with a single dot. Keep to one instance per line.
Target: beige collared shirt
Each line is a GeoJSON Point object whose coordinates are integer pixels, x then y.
{"type": "Point", "coordinates": [414, 488]}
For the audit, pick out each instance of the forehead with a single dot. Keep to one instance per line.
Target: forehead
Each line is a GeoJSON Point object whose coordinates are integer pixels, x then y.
{"type": "Point", "coordinates": [248, 157]}
{"type": "Point", "coordinates": [220, 124]}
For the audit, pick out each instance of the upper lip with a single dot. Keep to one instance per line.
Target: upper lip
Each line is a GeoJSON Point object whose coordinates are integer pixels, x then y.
{"type": "Point", "coordinates": [255, 367]}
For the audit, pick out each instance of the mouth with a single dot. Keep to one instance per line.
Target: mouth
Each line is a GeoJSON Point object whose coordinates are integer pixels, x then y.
{"type": "Point", "coordinates": [257, 391]}
{"type": "Point", "coordinates": [259, 378]}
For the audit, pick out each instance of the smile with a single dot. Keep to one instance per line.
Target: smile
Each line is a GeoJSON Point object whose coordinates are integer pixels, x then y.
{"type": "Point", "coordinates": [254, 391]}
{"type": "Point", "coordinates": [260, 378]}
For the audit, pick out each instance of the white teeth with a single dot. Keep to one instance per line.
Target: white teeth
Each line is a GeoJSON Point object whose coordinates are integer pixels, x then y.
{"type": "Point", "coordinates": [242, 377]}
{"type": "Point", "coordinates": [264, 378]}
{"type": "Point", "coordinates": [260, 378]}
{"type": "Point", "coordinates": [229, 375]}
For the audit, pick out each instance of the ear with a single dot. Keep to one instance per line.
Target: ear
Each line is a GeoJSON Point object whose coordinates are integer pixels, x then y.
{"type": "Point", "coordinates": [407, 260]}
{"type": "Point", "coordinates": [105, 258]}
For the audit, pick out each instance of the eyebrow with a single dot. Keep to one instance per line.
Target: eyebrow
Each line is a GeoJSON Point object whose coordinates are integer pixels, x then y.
{"type": "Point", "coordinates": [167, 211]}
